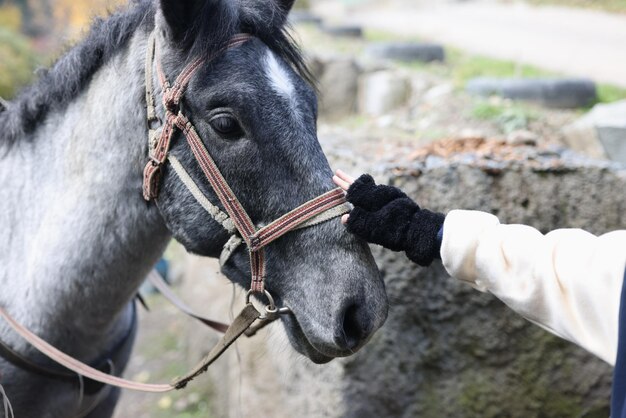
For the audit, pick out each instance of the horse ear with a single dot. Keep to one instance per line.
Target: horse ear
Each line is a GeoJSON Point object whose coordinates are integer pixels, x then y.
{"type": "Point", "coordinates": [180, 15]}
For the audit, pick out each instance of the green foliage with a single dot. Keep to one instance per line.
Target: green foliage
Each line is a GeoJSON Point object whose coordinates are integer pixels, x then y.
{"type": "Point", "coordinates": [529, 389]}
{"type": "Point", "coordinates": [467, 66]}
{"type": "Point", "coordinates": [617, 6]}
{"type": "Point", "coordinates": [302, 5]}
{"type": "Point", "coordinates": [181, 404]}
{"type": "Point", "coordinates": [608, 93]}
{"type": "Point", "coordinates": [461, 66]}
{"type": "Point", "coordinates": [509, 116]}
{"type": "Point", "coordinates": [486, 111]}
{"type": "Point", "coordinates": [17, 62]}
{"type": "Point", "coordinates": [10, 17]}
{"type": "Point", "coordinates": [167, 344]}
{"type": "Point", "coordinates": [375, 35]}
{"type": "Point", "coordinates": [464, 67]}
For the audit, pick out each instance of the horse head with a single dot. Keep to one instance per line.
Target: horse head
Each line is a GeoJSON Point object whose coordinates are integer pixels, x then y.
{"type": "Point", "coordinates": [255, 110]}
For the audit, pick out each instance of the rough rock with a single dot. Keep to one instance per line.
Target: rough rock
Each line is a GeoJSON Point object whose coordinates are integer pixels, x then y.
{"type": "Point", "coordinates": [438, 94]}
{"type": "Point", "coordinates": [554, 93]}
{"type": "Point", "coordinates": [369, 65]}
{"type": "Point", "coordinates": [338, 85]}
{"type": "Point", "coordinates": [601, 132]}
{"type": "Point", "coordinates": [382, 91]}
{"type": "Point", "coordinates": [614, 141]}
{"type": "Point", "coordinates": [407, 51]}
{"type": "Point", "coordinates": [446, 350]}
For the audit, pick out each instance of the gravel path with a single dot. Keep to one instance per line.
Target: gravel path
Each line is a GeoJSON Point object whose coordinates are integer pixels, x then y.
{"type": "Point", "coordinates": [575, 42]}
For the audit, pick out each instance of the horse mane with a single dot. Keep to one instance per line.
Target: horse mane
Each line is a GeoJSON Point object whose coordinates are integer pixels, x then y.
{"type": "Point", "coordinates": [56, 87]}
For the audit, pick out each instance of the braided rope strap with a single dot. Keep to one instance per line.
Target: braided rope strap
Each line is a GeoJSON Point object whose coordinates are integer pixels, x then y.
{"type": "Point", "coordinates": [298, 216]}
{"type": "Point", "coordinates": [255, 239]}
{"type": "Point", "coordinates": [159, 144]}
{"type": "Point", "coordinates": [223, 219]}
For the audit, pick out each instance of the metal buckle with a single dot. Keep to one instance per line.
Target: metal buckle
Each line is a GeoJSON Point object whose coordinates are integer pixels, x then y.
{"type": "Point", "coordinates": [271, 311]}
{"type": "Point", "coordinates": [271, 306]}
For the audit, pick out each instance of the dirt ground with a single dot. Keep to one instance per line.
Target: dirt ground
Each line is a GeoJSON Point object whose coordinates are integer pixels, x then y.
{"type": "Point", "coordinates": [160, 356]}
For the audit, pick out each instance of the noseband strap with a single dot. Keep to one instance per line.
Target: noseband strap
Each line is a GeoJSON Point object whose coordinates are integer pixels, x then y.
{"type": "Point", "coordinates": [322, 208]}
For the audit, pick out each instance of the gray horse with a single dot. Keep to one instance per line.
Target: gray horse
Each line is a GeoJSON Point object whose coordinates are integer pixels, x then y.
{"type": "Point", "coordinates": [77, 238]}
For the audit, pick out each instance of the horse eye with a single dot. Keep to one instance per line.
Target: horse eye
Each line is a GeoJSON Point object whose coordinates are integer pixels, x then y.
{"type": "Point", "coordinates": [226, 126]}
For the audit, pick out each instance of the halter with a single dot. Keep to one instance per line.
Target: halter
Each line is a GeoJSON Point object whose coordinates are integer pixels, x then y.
{"type": "Point", "coordinates": [236, 221]}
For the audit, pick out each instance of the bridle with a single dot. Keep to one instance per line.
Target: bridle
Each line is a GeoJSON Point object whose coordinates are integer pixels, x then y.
{"type": "Point", "coordinates": [235, 220]}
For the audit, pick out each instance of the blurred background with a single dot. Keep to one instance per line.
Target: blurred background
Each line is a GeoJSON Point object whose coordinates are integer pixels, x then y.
{"type": "Point", "coordinates": [513, 107]}
{"type": "Point", "coordinates": [34, 32]}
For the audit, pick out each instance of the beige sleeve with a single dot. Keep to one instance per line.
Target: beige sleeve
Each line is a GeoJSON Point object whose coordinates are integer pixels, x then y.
{"type": "Point", "coordinates": [568, 281]}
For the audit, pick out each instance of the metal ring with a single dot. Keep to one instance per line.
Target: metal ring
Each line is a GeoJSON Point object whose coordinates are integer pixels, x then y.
{"type": "Point", "coordinates": [270, 313]}
{"type": "Point", "coordinates": [268, 308]}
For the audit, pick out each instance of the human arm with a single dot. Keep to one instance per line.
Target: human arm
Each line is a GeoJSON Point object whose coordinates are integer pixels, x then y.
{"type": "Point", "coordinates": [568, 281]}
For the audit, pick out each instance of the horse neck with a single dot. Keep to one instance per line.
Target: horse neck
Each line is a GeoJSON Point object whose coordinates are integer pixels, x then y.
{"type": "Point", "coordinates": [80, 238]}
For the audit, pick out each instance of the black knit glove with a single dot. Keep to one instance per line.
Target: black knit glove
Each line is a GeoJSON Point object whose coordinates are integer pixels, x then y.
{"type": "Point", "coordinates": [386, 216]}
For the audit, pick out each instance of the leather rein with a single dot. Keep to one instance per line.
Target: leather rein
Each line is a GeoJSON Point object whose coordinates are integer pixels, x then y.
{"type": "Point", "coordinates": [235, 220]}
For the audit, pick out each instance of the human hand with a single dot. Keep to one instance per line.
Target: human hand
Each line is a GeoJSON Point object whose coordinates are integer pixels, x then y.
{"type": "Point", "coordinates": [386, 216]}
{"type": "Point", "coordinates": [344, 181]}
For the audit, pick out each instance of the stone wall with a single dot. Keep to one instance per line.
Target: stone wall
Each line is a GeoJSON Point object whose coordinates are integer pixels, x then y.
{"type": "Point", "coordinates": [446, 350]}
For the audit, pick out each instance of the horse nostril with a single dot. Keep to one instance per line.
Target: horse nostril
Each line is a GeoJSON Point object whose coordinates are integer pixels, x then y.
{"type": "Point", "coordinates": [353, 327]}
